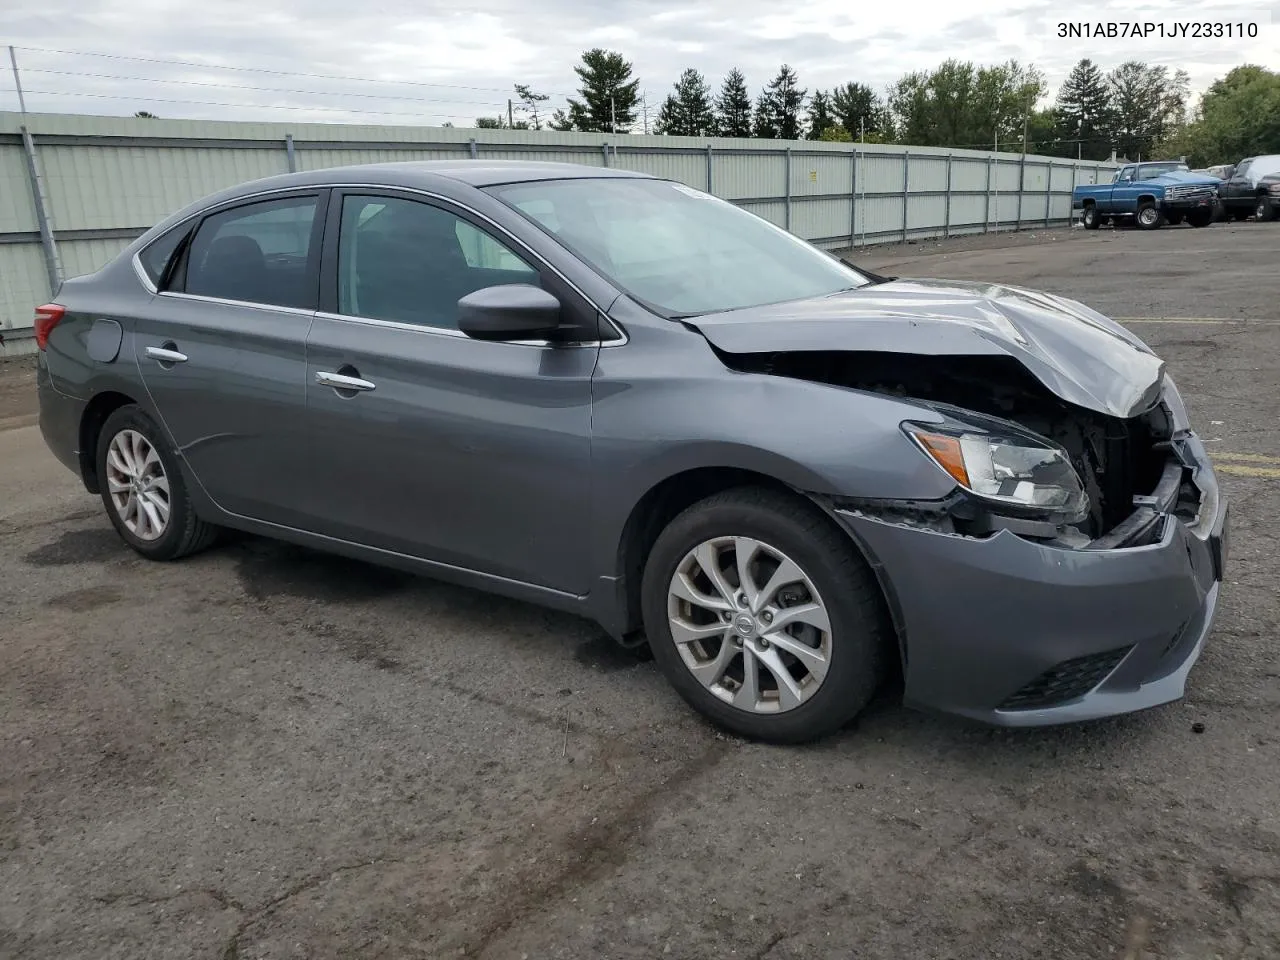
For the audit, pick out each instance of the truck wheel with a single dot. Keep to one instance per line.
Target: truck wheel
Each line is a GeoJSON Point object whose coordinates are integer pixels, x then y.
{"type": "Point", "coordinates": [1173, 219]}
{"type": "Point", "coordinates": [1148, 216]}
{"type": "Point", "coordinates": [1200, 218]}
{"type": "Point", "coordinates": [1264, 210]}
{"type": "Point", "coordinates": [1090, 219]}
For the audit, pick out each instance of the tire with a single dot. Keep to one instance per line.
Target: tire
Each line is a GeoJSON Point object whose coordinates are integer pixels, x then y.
{"type": "Point", "coordinates": [1237, 213]}
{"type": "Point", "coordinates": [852, 653]}
{"type": "Point", "coordinates": [136, 509]}
{"type": "Point", "coordinates": [1148, 216]}
{"type": "Point", "coordinates": [1200, 218]}
{"type": "Point", "coordinates": [1174, 219]}
{"type": "Point", "coordinates": [1090, 218]}
{"type": "Point", "coordinates": [1263, 211]}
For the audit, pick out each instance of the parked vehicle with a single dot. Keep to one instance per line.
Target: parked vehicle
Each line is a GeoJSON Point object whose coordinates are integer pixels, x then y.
{"type": "Point", "coordinates": [1245, 193]}
{"type": "Point", "coordinates": [1219, 172]}
{"type": "Point", "coordinates": [616, 395]}
{"type": "Point", "coordinates": [1149, 195]}
{"type": "Point", "coordinates": [1271, 185]}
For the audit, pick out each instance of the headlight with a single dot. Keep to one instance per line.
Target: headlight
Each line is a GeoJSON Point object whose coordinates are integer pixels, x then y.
{"type": "Point", "coordinates": [1004, 465]}
{"type": "Point", "coordinates": [1274, 188]}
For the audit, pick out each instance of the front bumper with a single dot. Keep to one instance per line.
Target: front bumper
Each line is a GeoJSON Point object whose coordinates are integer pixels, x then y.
{"type": "Point", "coordinates": [1189, 204]}
{"type": "Point", "coordinates": [1013, 632]}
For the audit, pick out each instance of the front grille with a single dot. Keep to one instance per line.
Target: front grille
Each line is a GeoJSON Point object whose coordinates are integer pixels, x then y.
{"type": "Point", "coordinates": [1189, 193]}
{"type": "Point", "coordinates": [1067, 681]}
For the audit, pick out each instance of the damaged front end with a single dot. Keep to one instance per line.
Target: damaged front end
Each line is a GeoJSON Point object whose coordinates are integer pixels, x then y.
{"type": "Point", "coordinates": [1024, 460]}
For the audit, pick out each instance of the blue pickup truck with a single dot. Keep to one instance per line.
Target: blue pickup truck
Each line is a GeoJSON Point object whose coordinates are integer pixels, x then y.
{"type": "Point", "coordinates": [1152, 194]}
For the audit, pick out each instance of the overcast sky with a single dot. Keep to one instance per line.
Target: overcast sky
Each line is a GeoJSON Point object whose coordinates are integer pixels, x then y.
{"type": "Point", "coordinates": [438, 60]}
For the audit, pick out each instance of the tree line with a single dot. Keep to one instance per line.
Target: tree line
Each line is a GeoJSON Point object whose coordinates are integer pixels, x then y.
{"type": "Point", "coordinates": [1136, 110]}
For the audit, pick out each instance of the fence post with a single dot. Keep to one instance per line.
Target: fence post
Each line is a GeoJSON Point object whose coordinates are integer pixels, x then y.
{"type": "Point", "coordinates": [289, 154]}
{"type": "Point", "coordinates": [1022, 188]}
{"type": "Point", "coordinates": [853, 202]}
{"type": "Point", "coordinates": [788, 175]}
{"type": "Point", "coordinates": [906, 189]}
{"type": "Point", "coordinates": [710, 165]}
{"type": "Point", "coordinates": [48, 244]}
{"type": "Point", "coordinates": [946, 217]}
{"type": "Point", "coordinates": [475, 150]}
{"type": "Point", "coordinates": [605, 148]}
{"type": "Point", "coordinates": [1048, 195]}
{"type": "Point", "coordinates": [995, 167]}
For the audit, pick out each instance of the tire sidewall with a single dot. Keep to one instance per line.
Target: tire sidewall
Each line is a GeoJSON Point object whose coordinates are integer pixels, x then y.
{"type": "Point", "coordinates": [1090, 218]}
{"type": "Point", "coordinates": [857, 647]}
{"type": "Point", "coordinates": [168, 544]}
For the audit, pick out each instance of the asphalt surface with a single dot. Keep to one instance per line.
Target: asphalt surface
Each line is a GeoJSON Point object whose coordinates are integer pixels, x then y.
{"type": "Point", "coordinates": [263, 752]}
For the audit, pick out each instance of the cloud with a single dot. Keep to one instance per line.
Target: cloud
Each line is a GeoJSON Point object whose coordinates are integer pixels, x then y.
{"type": "Point", "coordinates": [426, 61]}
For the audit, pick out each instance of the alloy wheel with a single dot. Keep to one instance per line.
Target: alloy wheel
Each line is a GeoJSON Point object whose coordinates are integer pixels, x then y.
{"type": "Point", "coordinates": [749, 624]}
{"type": "Point", "coordinates": [138, 485]}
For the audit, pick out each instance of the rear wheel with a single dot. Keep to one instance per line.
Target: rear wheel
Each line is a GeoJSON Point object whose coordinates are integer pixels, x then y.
{"type": "Point", "coordinates": [1148, 216]}
{"type": "Point", "coordinates": [1090, 218]}
{"type": "Point", "coordinates": [143, 490]}
{"type": "Point", "coordinates": [764, 616]}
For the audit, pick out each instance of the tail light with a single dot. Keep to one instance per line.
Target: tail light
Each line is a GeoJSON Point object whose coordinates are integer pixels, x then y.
{"type": "Point", "coordinates": [47, 318]}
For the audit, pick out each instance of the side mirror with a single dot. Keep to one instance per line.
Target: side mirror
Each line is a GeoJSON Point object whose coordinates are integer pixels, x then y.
{"type": "Point", "coordinates": [516, 311]}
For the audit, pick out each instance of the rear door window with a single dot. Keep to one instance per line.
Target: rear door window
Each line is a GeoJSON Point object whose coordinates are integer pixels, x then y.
{"type": "Point", "coordinates": [257, 253]}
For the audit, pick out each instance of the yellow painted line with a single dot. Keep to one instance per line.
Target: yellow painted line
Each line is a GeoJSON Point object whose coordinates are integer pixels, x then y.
{"type": "Point", "coordinates": [1244, 457]}
{"type": "Point", "coordinates": [1270, 473]}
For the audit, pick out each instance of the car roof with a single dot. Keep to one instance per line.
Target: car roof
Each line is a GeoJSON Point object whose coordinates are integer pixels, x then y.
{"type": "Point", "coordinates": [424, 174]}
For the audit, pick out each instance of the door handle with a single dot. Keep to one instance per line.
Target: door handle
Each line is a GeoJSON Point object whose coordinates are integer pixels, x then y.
{"type": "Point", "coordinates": [340, 381]}
{"type": "Point", "coordinates": [165, 355]}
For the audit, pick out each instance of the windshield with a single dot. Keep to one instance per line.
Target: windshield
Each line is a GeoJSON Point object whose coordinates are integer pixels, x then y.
{"type": "Point", "coordinates": [1149, 170]}
{"type": "Point", "coordinates": [679, 251]}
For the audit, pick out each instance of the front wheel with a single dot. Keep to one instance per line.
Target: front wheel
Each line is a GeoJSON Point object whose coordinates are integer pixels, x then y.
{"type": "Point", "coordinates": [1200, 218]}
{"type": "Point", "coordinates": [1264, 210]}
{"type": "Point", "coordinates": [764, 616]}
{"type": "Point", "coordinates": [1148, 216]}
{"type": "Point", "coordinates": [143, 490]}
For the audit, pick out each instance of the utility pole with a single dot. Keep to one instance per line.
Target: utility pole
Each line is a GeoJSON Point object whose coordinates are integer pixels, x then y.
{"type": "Point", "coordinates": [17, 80]}
{"type": "Point", "coordinates": [1025, 118]}
{"type": "Point", "coordinates": [613, 115]}
{"type": "Point", "coordinates": [510, 121]}
{"type": "Point", "coordinates": [862, 129]}
{"type": "Point", "coordinates": [644, 105]}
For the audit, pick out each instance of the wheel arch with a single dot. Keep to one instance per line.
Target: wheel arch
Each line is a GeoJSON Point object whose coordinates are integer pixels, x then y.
{"type": "Point", "coordinates": [95, 414]}
{"type": "Point", "coordinates": [669, 497]}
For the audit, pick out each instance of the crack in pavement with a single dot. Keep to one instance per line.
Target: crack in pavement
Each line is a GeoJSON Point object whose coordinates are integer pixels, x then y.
{"type": "Point", "coordinates": [603, 854]}
{"type": "Point", "coordinates": [232, 950]}
{"type": "Point", "coordinates": [223, 900]}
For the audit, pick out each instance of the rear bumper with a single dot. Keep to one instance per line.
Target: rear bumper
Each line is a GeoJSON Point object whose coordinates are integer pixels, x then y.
{"type": "Point", "coordinates": [60, 417]}
{"type": "Point", "coordinates": [1016, 633]}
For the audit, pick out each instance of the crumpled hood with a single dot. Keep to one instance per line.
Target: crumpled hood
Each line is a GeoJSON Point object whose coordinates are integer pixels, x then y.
{"type": "Point", "coordinates": [1077, 353]}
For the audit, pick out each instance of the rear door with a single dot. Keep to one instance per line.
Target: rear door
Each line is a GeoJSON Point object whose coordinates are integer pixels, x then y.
{"type": "Point", "coordinates": [222, 350]}
{"type": "Point", "coordinates": [431, 444]}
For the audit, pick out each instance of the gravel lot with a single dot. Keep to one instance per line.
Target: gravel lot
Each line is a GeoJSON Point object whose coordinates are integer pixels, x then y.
{"type": "Point", "coordinates": [265, 752]}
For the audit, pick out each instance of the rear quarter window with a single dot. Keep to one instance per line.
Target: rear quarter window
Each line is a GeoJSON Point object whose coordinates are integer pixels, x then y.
{"type": "Point", "coordinates": [156, 255]}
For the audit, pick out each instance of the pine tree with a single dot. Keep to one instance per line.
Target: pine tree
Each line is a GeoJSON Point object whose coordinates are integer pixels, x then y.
{"type": "Point", "coordinates": [821, 118]}
{"type": "Point", "coordinates": [779, 106]}
{"type": "Point", "coordinates": [1084, 112]}
{"type": "Point", "coordinates": [531, 104]}
{"type": "Point", "coordinates": [857, 108]}
{"type": "Point", "coordinates": [609, 95]}
{"type": "Point", "coordinates": [687, 112]}
{"type": "Point", "coordinates": [733, 106]}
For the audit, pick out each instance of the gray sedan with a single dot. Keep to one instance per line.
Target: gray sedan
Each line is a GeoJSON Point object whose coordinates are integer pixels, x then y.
{"type": "Point", "coordinates": [622, 397]}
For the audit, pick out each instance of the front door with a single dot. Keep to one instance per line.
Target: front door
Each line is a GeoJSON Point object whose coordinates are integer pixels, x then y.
{"type": "Point", "coordinates": [222, 352]}
{"type": "Point", "coordinates": [431, 444]}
